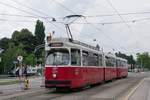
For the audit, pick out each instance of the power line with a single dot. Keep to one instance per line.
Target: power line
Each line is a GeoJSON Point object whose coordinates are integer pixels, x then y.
{"type": "Point", "coordinates": [108, 1]}
{"type": "Point", "coordinates": [19, 9]}
{"type": "Point", "coordinates": [16, 20]}
{"type": "Point", "coordinates": [40, 13]}
{"type": "Point", "coordinates": [29, 13]}
{"type": "Point", "coordinates": [65, 7]}
{"type": "Point", "coordinates": [16, 15]}
{"type": "Point", "coordinates": [106, 15]}
{"type": "Point", "coordinates": [97, 28]}
{"type": "Point", "coordinates": [35, 10]}
{"type": "Point", "coordinates": [102, 23]}
{"type": "Point", "coordinates": [117, 13]}
{"type": "Point", "coordinates": [115, 22]}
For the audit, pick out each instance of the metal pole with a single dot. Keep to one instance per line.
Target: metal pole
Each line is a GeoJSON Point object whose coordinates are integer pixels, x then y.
{"type": "Point", "coordinates": [141, 64]}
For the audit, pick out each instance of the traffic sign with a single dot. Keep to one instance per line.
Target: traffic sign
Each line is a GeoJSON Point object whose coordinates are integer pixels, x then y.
{"type": "Point", "coordinates": [20, 58]}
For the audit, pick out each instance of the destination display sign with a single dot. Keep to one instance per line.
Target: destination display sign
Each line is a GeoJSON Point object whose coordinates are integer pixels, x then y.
{"type": "Point", "coordinates": [58, 44]}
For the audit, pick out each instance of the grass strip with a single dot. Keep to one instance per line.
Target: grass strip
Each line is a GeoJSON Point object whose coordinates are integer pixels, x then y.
{"type": "Point", "coordinates": [9, 82]}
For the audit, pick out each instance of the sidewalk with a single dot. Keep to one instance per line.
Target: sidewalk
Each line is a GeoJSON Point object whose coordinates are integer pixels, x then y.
{"type": "Point", "coordinates": [13, 90]}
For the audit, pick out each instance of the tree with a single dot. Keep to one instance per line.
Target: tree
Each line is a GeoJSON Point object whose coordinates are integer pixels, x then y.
{"type": "Point", "coordinates": [39, 32]}
{"type": "Point", "coordinates": [10, 55]}
{"type": "Point", "coordinates": [40, 36]}
{"type": "Point", "coordinates": [143, 60]}
{"type": "Point", "coordinates": [15, 36]}
{"type": "Point", "coordinates": [30, 59]}
{"type": "Point", "coordinates": [26, 38]}
{"type": "Point", "coordinates": [4, 43]}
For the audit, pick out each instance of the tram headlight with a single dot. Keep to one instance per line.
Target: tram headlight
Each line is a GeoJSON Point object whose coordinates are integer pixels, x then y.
{"type": "Point", "coordinates": [54, 75]}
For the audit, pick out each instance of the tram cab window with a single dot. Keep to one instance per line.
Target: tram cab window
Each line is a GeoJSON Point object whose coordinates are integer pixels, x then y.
{"type": "Point", "coordinates": [59, 56]}
{"type": "Point", "coordinates": [75, 57]}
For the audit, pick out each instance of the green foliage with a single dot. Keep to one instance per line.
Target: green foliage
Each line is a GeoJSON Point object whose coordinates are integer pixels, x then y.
{"type": "Point", "coordinates": [130, 58]}
{"type": "Point", "coordinates": [26, 38]}
{"type": "Point", "coordinates": [15, 35]}
{"type": "Point", "coordinates": [10, 55]}
{"type": "Point", "coordinates": [143, 60]}
{"type": "Point", "coordinates": [4, 42]}
{"type": "Point", "coordinates": [23, 43]}
{"type": "Point", "coordinates": [30, 59]}
{"type": "Point", "coordinates": [39, 32]}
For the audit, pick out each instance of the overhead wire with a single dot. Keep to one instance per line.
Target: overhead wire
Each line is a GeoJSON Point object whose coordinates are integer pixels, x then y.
{"type": "Point", "coordinates": [34, 15]}
{"type": "Point", "coordinates": [129, 13]}
{"type": "Point", "coordinates": [8, 5]}
{"type": "Point", "coordinates": [16, 15]}
{"type": "Point", "coordinates": [117, 13]}
{"type": "Point", "coordinates": [108, 1]}
{"type": "Point", "coordinates": [66, 8]}
{"type": "Point", "coordinates": [15, 20]}
{"type": "Point", "coordinates": [35, 10]}
{"type": "Point", "coordinates": [40, 12]}
{"type": "Point", "coordinates": [38, 15]}
{"type": "Point", "coordinates": [97, 28]}
{"type": "Point", "coordinates": [61, 22]}
{"type": "Point", "coordinates": [115, 22]}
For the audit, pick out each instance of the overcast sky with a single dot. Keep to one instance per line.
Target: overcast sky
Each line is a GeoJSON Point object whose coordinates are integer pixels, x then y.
{"type": "Point", "coordinates": [128, 36]}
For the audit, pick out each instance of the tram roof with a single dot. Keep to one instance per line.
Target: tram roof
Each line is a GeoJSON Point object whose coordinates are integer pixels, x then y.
{"type": "Point", "coordinates": [118, 58]}
{"type": "Point", "coordinates": [109, 54]}
{"type": "Point", "coordinates": [75, 44]}
{"type": "Point", "coordinates": [80, 45]}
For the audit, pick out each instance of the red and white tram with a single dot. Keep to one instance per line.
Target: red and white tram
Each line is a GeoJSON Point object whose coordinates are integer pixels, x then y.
{"type": "Point", "coordinates": [73, 64]}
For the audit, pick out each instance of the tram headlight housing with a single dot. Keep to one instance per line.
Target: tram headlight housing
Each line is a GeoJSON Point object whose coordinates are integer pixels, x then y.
{"type": "Point", "coordinates": [54, 75]}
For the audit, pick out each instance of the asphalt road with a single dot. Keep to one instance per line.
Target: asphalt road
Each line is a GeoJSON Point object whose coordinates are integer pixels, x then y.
{"type": "Point", "coordinates": [142, 92]}
{"type": "Point", "coordinates": [121, 89]}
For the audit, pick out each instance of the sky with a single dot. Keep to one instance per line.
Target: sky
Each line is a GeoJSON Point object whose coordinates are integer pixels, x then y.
{"type": "Point", "coordinates": [125, 31]}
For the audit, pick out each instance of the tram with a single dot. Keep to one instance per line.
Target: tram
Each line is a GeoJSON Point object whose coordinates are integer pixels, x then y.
{"type": "Point", "coordinates": [73, 64]}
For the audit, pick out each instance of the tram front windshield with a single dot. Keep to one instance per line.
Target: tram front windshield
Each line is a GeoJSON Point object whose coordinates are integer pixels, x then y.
{"type": "Point", "coordinates": [58, 57]}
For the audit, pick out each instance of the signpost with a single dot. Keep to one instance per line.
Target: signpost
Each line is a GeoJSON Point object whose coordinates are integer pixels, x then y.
{"type": "Point", "coordinates": [20, 58]}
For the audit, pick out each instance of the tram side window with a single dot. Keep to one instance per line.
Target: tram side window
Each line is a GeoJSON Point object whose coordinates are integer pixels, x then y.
{"type": "Point", "coordinates": [100, 60]}
{"type": "Point", "coordinates": [75, 57]}
{"type": "Point", "coordinates": [110, 61]}
{"type": "Point", "coordinates": [92, 59]}
{"type": "Point", "coordinates": [124, 64]}
{"type": "Point", "coordinates": [85, 58]}
{"type": "Point", "coordinates": [89, 59]}
{"type": "Point", "coordinates": [118, 63]}
{"type": "Point", "coordinates": [96, 57]}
